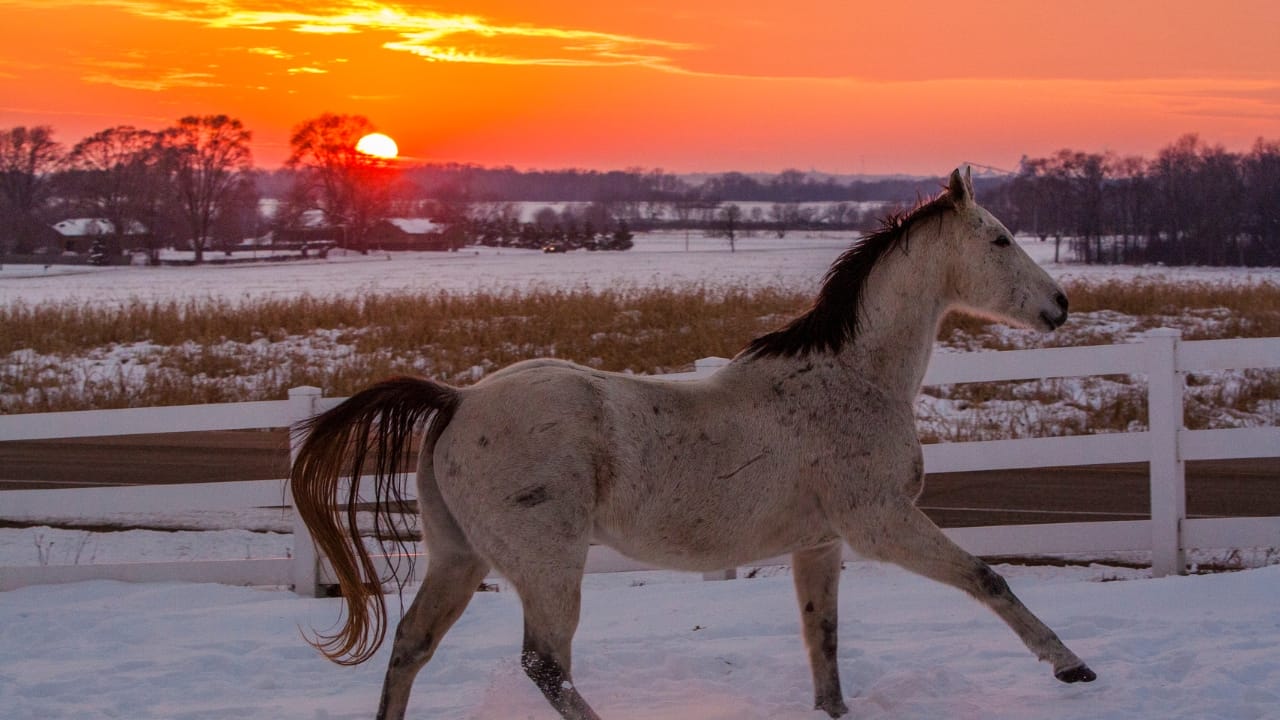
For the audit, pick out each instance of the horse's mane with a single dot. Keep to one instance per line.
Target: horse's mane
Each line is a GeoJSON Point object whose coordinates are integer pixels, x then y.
{"type": "Point", "coordinates": [832, 320]}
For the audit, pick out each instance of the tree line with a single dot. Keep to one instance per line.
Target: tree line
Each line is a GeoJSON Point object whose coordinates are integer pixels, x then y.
{"type": "Point", "coordinates": [193, 185]}
{"type": "Point", "coordinates": [640, 185]}
{"type": "Point", "coordinates": [1195, 203]}
{"type": "Point", "coordinates": [183, 180]}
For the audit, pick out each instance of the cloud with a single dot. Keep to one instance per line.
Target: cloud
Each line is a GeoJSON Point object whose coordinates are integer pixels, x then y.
{"type": "Point", "coordinates": [434, 36]}
{"type": "Point", "coordinates": [273, 52]}
{"type": "Point", "coordinates": [1217, 97]}
{"type": "Point", "coordinates": [142, 72]}
{"type": "Point", "coordinates": [165, 81]}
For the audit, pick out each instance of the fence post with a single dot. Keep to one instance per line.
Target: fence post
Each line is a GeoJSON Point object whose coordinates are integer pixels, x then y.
{"type": "Point", "coordinates": [1168, 472]}
{"type": "Point", "coordinates": [306, 563]}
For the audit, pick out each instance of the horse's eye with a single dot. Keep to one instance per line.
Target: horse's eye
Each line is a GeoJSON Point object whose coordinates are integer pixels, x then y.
{"type": "Point", "coordinates": [1001, 241]}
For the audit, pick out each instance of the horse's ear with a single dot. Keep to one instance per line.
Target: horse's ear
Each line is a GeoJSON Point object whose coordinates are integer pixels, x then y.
{"type": "Point", "coordinates": [960, 187]}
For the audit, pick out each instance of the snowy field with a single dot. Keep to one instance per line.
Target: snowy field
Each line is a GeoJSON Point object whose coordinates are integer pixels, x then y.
{"type": "Point", "coordinates": [658, 259]}
{"type": "Point", "coordinates": [796, 262]}
{"type": "Point", "coordinates": [652, 645]}
{"type": "Point", "coordinates": [1193, 648]}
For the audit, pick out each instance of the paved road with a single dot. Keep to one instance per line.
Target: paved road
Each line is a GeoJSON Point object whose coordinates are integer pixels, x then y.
{"type": "Point", "coordinates": [1102, 492]}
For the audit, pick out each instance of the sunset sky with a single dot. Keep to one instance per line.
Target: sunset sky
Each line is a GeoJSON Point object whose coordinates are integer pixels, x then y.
{"type": "Point", "coordinates": [913, 86]}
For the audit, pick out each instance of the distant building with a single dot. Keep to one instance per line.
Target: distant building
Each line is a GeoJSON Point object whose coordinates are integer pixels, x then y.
{"type": "Point", "coordinates": [78, 234]}
{"type": "Point", "coordinates": [410, 234]}
{"type": "Point", "coordinates": [308, 230]}
{"type": "Point", "coordinates": [313, 229]}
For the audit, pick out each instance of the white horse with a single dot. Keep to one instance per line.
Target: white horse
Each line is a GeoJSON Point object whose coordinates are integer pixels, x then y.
{"type": "Point", "coordinates": [807, 440]}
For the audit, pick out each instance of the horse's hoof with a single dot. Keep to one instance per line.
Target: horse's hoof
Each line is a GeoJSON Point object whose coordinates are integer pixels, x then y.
{"type": "Point", "coordinates": [1079, 673]}
{"type": "Point", "coordinates": [835, 708]}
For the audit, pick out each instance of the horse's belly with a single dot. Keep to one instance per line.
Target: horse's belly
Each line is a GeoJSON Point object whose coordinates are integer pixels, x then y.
{"type": "Point", "coordinates": [703, 550]}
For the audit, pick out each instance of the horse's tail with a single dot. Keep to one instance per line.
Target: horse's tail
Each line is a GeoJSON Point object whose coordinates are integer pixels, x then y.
{"type": "Point", "coordinates": [381, 419]}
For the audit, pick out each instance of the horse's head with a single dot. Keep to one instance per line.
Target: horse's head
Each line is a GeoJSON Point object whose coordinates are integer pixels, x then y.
{"type": "Point", "coordinates": [990, 274]}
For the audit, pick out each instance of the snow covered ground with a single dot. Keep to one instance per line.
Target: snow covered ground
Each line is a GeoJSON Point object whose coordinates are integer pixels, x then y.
{"type": "Point", "coordinates": [652, 645]}
{"type": "Point", "coordinates": [656, 645]}
{"type": "Point", "coordinates": [798, 260]}
{"type": "Point", "coordinates": [657, 259]}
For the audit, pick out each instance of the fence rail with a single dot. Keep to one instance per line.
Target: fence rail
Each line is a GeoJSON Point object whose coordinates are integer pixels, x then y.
{"type": "Point", "coordinates": [1161, 356]}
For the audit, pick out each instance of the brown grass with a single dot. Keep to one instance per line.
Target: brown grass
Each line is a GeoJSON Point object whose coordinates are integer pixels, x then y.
{"type": "Point", "coordinates": [202, 351]}
{"type": "Point", "coordinates": [218, 351]}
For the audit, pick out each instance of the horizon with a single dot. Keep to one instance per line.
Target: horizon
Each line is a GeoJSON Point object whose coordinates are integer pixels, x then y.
{"type": "Point", "coordinates": [843, 88]}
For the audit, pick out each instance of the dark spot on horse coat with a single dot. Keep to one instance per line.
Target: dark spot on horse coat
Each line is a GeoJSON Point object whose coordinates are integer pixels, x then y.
{"type": "Point", "coordinates": [483, 442]}
{"type": "Point", "coordinates": [990, 582]}
{"type": "Point", "coordinates": [808, 367]}
{"type": "Point", "coordinates": [743, 466]}
{"type": "Point", "coordinates": [530, 497]}
{"type": "Point", "coordinates": [543, 427]}
{"type": "Point", "coordinates": [603, 476]}
{"type": "Point", "coordinates": [413, 657]}
{"type": "Point", "coordinates": [808, 607]}
{"type": "Point", "coordinates": [828, 637]}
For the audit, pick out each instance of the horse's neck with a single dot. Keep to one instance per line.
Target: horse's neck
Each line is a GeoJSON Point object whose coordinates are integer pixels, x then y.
{"type": "Point", "coordinates": [902, 305]}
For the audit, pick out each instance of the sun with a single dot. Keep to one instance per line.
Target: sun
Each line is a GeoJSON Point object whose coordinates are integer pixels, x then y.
{"type": "Point", "coordinates": [378, 145]}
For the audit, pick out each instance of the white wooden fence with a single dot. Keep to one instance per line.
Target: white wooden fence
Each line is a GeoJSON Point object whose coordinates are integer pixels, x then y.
{"type": "Point", "coordinates": [1161, 356]}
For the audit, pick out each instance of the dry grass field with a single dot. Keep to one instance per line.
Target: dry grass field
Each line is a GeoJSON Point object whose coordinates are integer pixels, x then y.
{"type": "Point", "coordinates": [81, 355]}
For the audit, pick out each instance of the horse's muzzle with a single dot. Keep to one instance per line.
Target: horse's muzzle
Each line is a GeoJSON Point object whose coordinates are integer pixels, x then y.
{"type": "Point", "coordinates": [1055, 321]}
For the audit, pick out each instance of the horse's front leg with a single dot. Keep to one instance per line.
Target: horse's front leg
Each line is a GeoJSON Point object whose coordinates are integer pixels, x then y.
{"type": "Point", "coordinates": [905, 536]}
{"type": "Point", "coordinates": [816, 572]}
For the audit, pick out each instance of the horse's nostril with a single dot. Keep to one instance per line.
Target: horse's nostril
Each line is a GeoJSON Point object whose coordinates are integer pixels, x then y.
{"type": "Point", "coordinates": [1062, 301]}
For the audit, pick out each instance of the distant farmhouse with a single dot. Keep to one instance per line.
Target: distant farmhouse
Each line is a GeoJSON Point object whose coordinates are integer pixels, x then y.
{"type": "Point", "coordinates": [313, 230]}
{"type": "Point", "coordinates": [73, 241]}
{"type": "Point", "coordinates": [411, 234]}
{"type": "Point", "coordinates": [78, 234]}
{"type": "Point", "coordinates": [308, 233]}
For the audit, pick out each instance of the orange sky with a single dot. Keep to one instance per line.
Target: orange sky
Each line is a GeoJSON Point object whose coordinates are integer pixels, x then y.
{"type": "Point", "coordinates": [838, 85]}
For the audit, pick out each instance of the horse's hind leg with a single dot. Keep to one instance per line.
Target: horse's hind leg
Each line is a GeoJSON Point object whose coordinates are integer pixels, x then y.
{"type": "Point", "coordinates": [454, 571]}
{"type": "Point", "coordinates": [908, 538]}
{"type": "Point", "coordinates": [452, 579]}
{"type": "Point", "coordinates": [551, 595]}
{"type": "Point", "coordinates": [816, 572]}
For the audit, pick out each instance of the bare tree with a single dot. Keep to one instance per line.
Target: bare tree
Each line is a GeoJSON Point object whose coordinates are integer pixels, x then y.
{"type": "Point", "coordinates": [118, 173]}
{"type": "Point", "coordinates": [1194, 203]}
{"type": "Point", "coordinates": [452, 210]}
{"type": "Point", "coordinates": [838, 215]}
{"type": "Point", "coordinates": [780, 216]}
{"type": "Point", "coordinates": [1262, 187]}
{"type": "Point", "coordinates": [210, 156]}
{"type": "Point", "coordinates": [238, 218]}
{"type": "Point", "coordinates": [351, 187]}
{"type": "Point", "coordinates": [1130, 198]}
{"type": "Point", "coordinates": [28, 158]}
{"type": "Point", "coordinates": [727, 224]}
